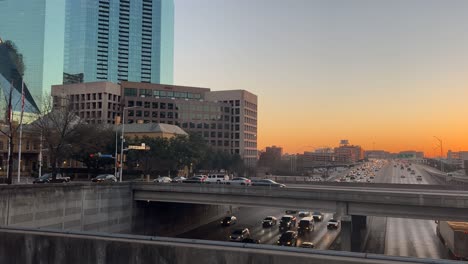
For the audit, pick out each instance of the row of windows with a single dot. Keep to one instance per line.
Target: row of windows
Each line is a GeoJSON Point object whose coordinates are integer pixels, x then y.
{"type": "Point", "coordinates": [233, 102]}
{"type": "Point", "coordinates": [250, 121]}
{"type": "Point", "coordinates": [250, 128]}
{"type": "Point", "coordinates": [211, 126]}
{"type": "Point", "coordinates": [93, 96]}
{"type": "Point", "coordinates": [91, 114]}
{"type": "Point", "coordinates": [159, 93]}
{"type": "Point", "coordinates": [249, 144]}
{"type": "Point", "coordinates": [250, 113]}
{"type": "Point", "coordinates": [153, 114]}
{"type": "Point", "coordinates": [250, 105]}
{"type": "Point", "coordinates": [27, 145]}
{"type": "Point", "coordinates": [250, 136]}
{"type": "Point", "coordinates": [198, 116]}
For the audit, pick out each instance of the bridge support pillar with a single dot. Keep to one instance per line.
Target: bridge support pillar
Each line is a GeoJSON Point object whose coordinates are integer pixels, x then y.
{"type": "Point", "coordinates": [346, 231]}
{"type": "Point", "coordinates": [358, 224]}
{"type": "Point", "coordinates": [351, 235]}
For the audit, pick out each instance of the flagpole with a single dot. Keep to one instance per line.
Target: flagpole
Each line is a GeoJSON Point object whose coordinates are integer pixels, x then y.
{"type": "Point", "coordinates": [21, 130]}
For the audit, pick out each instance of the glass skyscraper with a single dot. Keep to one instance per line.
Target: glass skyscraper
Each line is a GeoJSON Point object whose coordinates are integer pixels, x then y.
{"type": "Point", "coordinates": [36, 27]}
{"type": "Point", "coordinates": [119, 40]}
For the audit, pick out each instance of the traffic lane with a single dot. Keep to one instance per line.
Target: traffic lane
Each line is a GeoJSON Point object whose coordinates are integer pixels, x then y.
{"type": "Point", "coordinates": [247, 217]}
{"type": "Point", "coordinates": [251, 218]}
{"type": "Point", "coordinates": [412, 237]}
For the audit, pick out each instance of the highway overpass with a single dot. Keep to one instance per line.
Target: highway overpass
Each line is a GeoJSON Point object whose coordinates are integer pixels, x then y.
{"type": "Point", "coordinates": [389, 200]}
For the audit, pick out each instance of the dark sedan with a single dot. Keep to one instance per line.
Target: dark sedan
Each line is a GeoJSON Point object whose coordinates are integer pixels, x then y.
{"type": "Point", "coordinates": [288, 239]}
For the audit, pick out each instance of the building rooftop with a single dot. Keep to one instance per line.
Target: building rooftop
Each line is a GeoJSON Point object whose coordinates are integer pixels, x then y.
{"type": "Point", "coordinates": [153, 128]}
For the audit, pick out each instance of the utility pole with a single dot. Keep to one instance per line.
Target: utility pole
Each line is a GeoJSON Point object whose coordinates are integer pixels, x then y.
{"type": "Point", "coordinates": [441, 153]}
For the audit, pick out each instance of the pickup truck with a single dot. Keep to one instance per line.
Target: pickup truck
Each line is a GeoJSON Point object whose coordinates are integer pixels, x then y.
{"type": "Point", "coordinates": [454, 235]}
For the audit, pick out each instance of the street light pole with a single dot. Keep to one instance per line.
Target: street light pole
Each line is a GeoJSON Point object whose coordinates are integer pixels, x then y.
{"type": "Point", "coordinates": [441, 153]}
{"type": "Point", "coordinates": [122, 140]}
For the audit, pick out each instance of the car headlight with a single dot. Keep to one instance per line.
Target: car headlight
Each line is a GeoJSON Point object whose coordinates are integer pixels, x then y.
{"type": "Point", "coordinates": [289, 243]}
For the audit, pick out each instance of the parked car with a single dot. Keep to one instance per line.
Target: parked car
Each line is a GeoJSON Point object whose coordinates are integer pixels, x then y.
{"type": "Point", "coordinates": [195, 179]}
{"type": "Point", "coordinates": [217, 178]}
{"type": "Point", "coordinates": [267, 182]}
{"type": "Point", "coordinates": [178, 179]}
{"type": "Point", "coordinates": [239, 234]}
{"type": "Point", "coordinates": [250, 241]}
{"type": "Point", "coordinates": [47, 178]}
{"type": "Point", "coordinates": [163, 180]}
{"type": "Point", "coordinates": [402, 176]}
{"type": "Point", "coordinates": [269, 221]}
{"type": "Point", "coordinates": [304, 213]}
{"type": "Point", "coordinates": [291, 211]}
{"type": "Point", "coordinates": [318, 216]}
{"type": "Point", "coordinates": [104, 178]}
{"type": "Point", "coordinates": [333, 224]}
{"type": "Point", "coordinates": [229, 220]}
{"type": "Point", "coordinates": [288, 238]}
{"type": "Point", "coordinates": [240, 181]}
{"type": "Point", "coordinates": [307, 245]}
{"type": "Point", "coordinates": [287, 222]}
{"type": "Point", "coordinates": [419, 178]}
{"type": "Point", "coordinates": [306, 225]}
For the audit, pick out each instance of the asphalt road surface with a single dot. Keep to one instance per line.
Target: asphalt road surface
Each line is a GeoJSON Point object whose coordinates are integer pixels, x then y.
{"type": "Point", "coordinates": [251, 218]}
{"type": "Point", "coordinates": [404, 236]}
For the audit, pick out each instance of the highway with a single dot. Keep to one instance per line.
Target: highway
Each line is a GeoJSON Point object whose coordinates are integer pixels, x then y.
{"type": "Point", "coordinates": [403, 236]}
{"type": "Point", "coordinates": [251, 218]}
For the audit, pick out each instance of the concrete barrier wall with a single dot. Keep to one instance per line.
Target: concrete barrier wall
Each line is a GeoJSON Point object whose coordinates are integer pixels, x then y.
{"type": "Point", "coordinates": [86, 207]}
{"type": "Point", "coordinates": [39, 247]}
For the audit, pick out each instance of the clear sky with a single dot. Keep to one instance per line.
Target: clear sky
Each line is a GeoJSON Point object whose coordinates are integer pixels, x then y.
{"type": "Point", "coordinates": [392, 72]}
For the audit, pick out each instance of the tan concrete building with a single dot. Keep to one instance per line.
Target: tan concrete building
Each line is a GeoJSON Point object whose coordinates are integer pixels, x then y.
{"type": "Point", "coordinates": [29, 152]}
{"type": "Point", "coordinates": [244, 121]}
{"type": "Point", "coordinates": [95, 102]}
{"type": "Point", "coordinates": [227, 120]}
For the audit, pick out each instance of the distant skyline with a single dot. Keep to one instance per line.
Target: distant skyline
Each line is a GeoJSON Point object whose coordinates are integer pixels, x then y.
{"type": "Point", "coordinates": [390, 72]}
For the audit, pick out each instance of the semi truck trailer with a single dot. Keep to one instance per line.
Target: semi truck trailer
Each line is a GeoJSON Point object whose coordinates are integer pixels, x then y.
{"type": "Point", "coordinates": [454, 235]}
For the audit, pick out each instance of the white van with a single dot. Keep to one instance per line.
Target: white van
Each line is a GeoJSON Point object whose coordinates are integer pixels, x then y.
{"type": "Point", "coordinates": [217, 178]}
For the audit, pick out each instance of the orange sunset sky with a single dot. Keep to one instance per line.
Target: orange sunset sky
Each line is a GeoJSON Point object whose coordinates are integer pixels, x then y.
{"type": "Point", "coordinates": [393, 74]}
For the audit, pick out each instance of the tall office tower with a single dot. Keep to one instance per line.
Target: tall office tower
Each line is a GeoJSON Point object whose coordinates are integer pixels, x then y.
{"type": "Point", "coordinates": [119, 40]}
{"type": "Point", "coordinates": [36, 27]}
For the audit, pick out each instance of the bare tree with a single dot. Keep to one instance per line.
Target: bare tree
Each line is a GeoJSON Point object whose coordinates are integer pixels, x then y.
{"type": "Point", "coordinates": [12, 68]}
{"type": "Point", "coordinates": [58, 126]}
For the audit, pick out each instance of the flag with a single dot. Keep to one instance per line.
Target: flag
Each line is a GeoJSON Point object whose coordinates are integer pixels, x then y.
{"type": "Point", "coordinates": [22, 96]}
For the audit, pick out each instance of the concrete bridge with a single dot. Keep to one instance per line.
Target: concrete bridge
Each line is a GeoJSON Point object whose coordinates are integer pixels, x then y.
{"type": "Point", "coordinates": [389, 200]}
{"type": "Point", "coordinates": [124, 208]}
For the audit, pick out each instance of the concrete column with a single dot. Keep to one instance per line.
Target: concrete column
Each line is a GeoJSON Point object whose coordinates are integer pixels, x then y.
{"type": "Point", "coordinates": [346, 231]}
{"type": "Point", "coordinates": [358, 223]}
{"type": "Point", "coordinates": [341, 210]}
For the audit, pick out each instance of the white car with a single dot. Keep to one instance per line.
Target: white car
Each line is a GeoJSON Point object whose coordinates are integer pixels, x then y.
{"type": "Point", "coordinates": [333, 224]}
{"type": "Point", "coordinates": [304, 213]}
{"type": "Point", "coordinates": [240, 181]}
{"type": "Point", "coordinates": [217, 178]}
{"type": "Point", "coordinates": [163, 180]}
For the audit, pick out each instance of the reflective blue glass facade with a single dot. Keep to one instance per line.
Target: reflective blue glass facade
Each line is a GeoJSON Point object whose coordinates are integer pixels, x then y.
{"type": "Point", "coordinates": [36, 27]}
{"type": "Point", "coordinates": [121, 40]}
